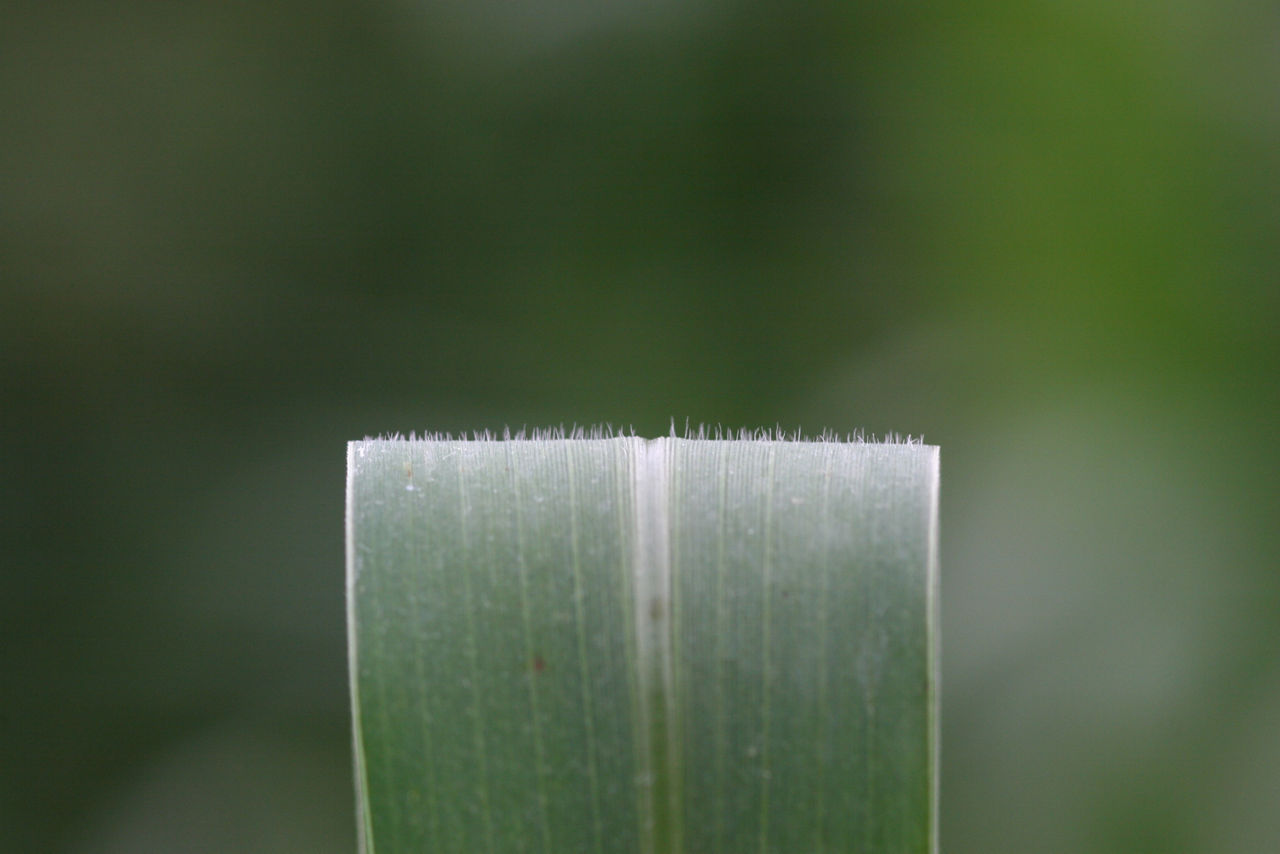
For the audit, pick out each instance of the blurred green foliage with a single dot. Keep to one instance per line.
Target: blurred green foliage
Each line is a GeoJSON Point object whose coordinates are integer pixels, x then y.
{"type": "Point", "coordinates": [234, 235]}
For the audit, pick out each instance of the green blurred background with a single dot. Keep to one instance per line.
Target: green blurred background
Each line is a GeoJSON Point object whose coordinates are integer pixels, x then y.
{"type": "Point", "coordinates": [235, 235]}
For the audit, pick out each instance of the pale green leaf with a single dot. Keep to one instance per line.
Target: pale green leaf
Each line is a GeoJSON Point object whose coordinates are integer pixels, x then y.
{"type": "Point", "coordinates": [627, 645]}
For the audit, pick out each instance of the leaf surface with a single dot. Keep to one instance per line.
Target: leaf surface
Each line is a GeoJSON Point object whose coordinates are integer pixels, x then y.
{"type": "Point", "coordinates": [628, 645]}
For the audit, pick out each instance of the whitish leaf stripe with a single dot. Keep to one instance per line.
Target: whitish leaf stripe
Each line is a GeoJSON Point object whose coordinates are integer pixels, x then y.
{"type": "Point", "coordinates": [624, 499]}
{"type": "Point", "coordinates": [379, 653]}
{"type": "Point", "coordinates": [869, 706]}
{"type": "Point", "coordinates": [766, 631]}
{"type": "Point", "coordinates": [522, 571]}
{"type": "Point", "coordinates": [820, 760]}
{"type": "Point", "coordinates": [580, 619]}
{"type": "Point", "coordinates": [675, 701]}
{"type": "Point", "coordinates": [721, 736]}
{"type": "Point", "coordinates": [419, 668]}
{"type": "Point", "coordinates": [473, 654]}
{"type": "Point", "coordinates": [365, 839]}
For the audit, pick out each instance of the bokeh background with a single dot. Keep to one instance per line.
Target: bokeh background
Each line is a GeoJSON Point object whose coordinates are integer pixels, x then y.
{"type": "Point", "coordinates": [234, 235]}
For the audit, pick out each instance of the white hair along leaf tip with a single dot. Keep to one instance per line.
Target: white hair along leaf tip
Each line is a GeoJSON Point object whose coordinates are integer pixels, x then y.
{"type": "Point", "coordinates": [701, 433]}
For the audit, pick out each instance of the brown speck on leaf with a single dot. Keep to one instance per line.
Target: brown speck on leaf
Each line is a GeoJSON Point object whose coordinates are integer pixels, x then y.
{"type": "Point", "coordinates": [655, 608]}
{"type": "Point", "coordinates": [539, 664]}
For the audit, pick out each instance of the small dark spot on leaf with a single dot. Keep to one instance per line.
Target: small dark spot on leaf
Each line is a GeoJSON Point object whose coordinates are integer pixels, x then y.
{"type": "Point", "coordinates": [539, 664]}
{"type": "Point", "coordinates": [655, 608]}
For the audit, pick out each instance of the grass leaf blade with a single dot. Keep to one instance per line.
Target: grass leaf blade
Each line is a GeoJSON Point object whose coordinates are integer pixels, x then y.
{"type": "Point", "coordinates": [619, 644]}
